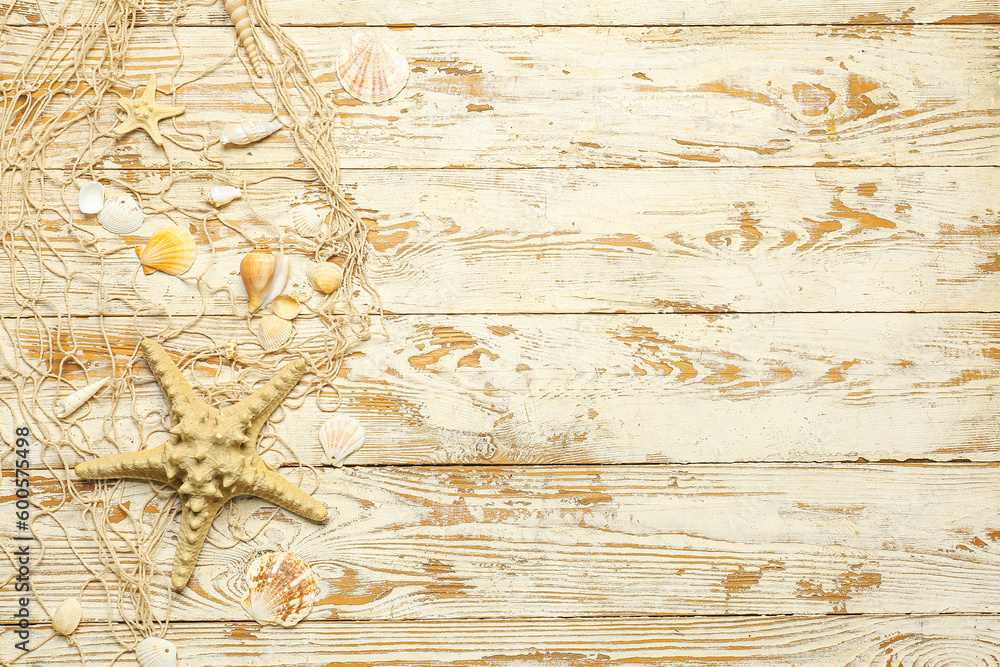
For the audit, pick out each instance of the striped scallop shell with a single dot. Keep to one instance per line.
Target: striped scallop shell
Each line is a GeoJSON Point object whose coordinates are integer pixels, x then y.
{"type": "Point", "coordinates": [325, 277]}
{"type": "Point", "coordinates": [237, 10]}
{"type": "Point", "coordinates": [170, 249]}
{"type": "Point", "coordinates": [341, 436]}
{"type": "Point", "coordinates": [307, 220]}
{"type": "Point", "coordinates": [281, 589]}
{"type": "Point", "coordinates": [156, 652]}
{"type": "Point", "coordinates": [67, 616]}
{"type": "Point", "coordinates": [370, 69]}
{"type": "Point", "coordinates": [121, 215]}
{"type": "Point", "coordinates": [274, 332]}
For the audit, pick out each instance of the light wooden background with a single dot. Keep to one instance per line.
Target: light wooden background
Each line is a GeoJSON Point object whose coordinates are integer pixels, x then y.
{"type": "Point", "coordinates": [694, 336]}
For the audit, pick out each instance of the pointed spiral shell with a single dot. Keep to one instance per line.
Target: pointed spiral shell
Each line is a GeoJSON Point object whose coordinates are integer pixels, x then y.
{"type": "Point", "coordinates": [237, 10]}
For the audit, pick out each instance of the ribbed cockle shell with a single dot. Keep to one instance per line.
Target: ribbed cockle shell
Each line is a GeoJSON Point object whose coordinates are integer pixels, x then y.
{"type": "Point", "coordinates": [170, 249]}
{"type": "Point", "coordinates": [237, 10]}
{"type": "Point", "coordinates": [257, 271]}
{"type": "Point", "coordinates": [248, 131]}
{"type": "Point", "coordinates": [326, 277]}
{"type": "Point", "coordinates": [121, 215]}
{"type": "Point", "coordinates": [307, 220]}
{"type": "Point", "coordinates": [340, 437]}
{"type": "Point", "coordinates": [370, 69]}
{"type": "Point", "coordinates": [67, 616]}
{"type": "Point", "coordinates": [156, 652]}
{"type": "Point", "coordinates": [274, 332]}
{"type": "Point", "coordinates": [281, 589]}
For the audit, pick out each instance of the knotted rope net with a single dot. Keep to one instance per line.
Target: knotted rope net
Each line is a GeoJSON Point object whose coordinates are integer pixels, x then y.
{"type": "Point", "coordinates": [59, 84]}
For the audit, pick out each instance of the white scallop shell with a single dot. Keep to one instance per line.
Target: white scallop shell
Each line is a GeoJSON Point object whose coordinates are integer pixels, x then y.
{"type": "Point", "coordinates": [370, 69]}
{"type": "Point", "coordinates": [248, 131]}
{"type": "Point", "coordinates": [121, 215]}
{"type": "Point", "coordinates": [91, 199]}
{"type": "Point", "coordinates": [281, 589]}
{"type": "Point", "coordinates": [282, 267]}
{"type": "Point", "coordinates": [67, 406]}
{"type": "Point", "coordinates": [231, 349]}
{"type": "Point", "coordinates": [326, 277]}
{"type": "Point", "coordinates": [286, 307]}
{"type": "Point", "coordinates": [156, 652]}
{"type": "Point", "coordinates": [341, 436]}
{"type": "Point", "coordinates": [274, 332]}
{"type": "Point", "coordinates": [307, 220]}
{"type": "Point", "coordinates": [223, 194]}
{"type": "Point", "coordinates": [67, 616]}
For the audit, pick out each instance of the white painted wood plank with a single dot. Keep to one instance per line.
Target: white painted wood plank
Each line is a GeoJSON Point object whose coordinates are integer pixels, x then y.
{"type": "Point", "coordinates": [831, 641]}
{"type": "Point", "coordinates": [605, 389]}
{"type": "Point", "coordinates": [543, 542]}
{"type": "Point", "coordinates": [516, 97]}
{"type": "Point", "coordinates": [550, 12]}
{"type": "Point", "coordinates": [509, 241]}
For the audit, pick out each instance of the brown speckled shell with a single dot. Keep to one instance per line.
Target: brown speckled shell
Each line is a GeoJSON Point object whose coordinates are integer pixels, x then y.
{"type": "Point", "coordinates": [281, 589]}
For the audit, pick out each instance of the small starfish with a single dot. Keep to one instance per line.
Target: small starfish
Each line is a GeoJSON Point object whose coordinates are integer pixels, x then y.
{"type": "Point", "coordinates": [211, 456]}
{"type": "Point", "coordinates": [145, 112]}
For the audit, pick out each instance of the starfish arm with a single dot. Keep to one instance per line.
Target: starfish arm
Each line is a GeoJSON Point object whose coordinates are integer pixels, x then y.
{"type": "Point", "coordinates": [258, 406]}
{"type": "Point", "coordinates": [274, 488]}
{"type": "Point", "coordinates": [149, 95]}
{"type": "Point", "coordinates": [180, 397]}
{"type": "Point", "coordinates": [194, 530]}
{"type": "Point", "coordinates": [154, 133]}
{"type": "Point", "coordinates": [144, 464]}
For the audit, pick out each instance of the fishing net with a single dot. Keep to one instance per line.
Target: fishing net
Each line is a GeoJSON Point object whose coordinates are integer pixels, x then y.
{"type": "Point", "coordinates": [57, 78]}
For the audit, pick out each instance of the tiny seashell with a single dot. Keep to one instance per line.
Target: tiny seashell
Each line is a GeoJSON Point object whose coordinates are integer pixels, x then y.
{"type": "Point", "coordinates": [274, 332]}
{"type": "Point", "coordinates": [307, 220]}
{"type": "Point", "coordinates": [66, 618]}
{"type": "Point", "coordinates": [156, 652]}
{"type": "Point", "coordinates": [170, 249]}
{"type": "Point", "coordinates": [326, 277]}
{"type": "Point", "coordinates": [237, 10]}
{"type": "Point", "coordinates": [281, 589]}
{"type": "Point", "coordinates": [286, 307]}
{"type": "Point", "coordinates": [248, 131]}
{"type": "Point", "coordinates": [223, 194]}
{"type": "Point", "coordinates": [91, 198]}
{"type": "Point", "coordinates": [67, 406]}
{"type": "Point", "coordinates": [282, 269]}
{"type": "Point", "coordinates": [121, 215]}
{"type": "Point", "coordinates": [231, 349]}
{"type": "Point", "coordinates": [340, 437]}
{"type": "Point", "coordinates": [370, 69]}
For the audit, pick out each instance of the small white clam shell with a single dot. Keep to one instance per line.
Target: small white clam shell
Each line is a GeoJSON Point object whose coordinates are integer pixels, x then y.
{"type": "Point", "coordinates": [274, 332]}
{"type": "Point", "coordinates": [282, 268]}
{"type": "Point", "coordinates": [248, 131]}
{"type": "Point", "coordinates": [156, 652]}
{"type": "Point", "coordinates": [286, 307]}
{"type": "Point", "coordinates": [325, 277]}
{"type": "Point", "coordinates": [67, 406]}
{"type": "Point", "coordinates": [281, 589]}
{"type": "Point", "coordinates": [67, 616]}
{"type": "Point", "coordinates": [307, 220]}
{"type": "Point", "coordinates": [223, 194]}
{"type": "Point", "coordinates": [121, 215]}
{"type": "Point", "coordinates": [91, 199]}
{"type": "Point", "coordinates": [340, 437]}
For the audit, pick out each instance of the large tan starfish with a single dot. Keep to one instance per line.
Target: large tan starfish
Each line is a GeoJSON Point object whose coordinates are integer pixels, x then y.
{"type": "Point", "coordinates": [211, 456]}
{"type": "Point", "coordinates": [145, 113]}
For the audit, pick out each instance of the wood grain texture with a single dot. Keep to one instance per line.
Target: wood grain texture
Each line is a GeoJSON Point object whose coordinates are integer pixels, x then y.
{"type": "Point", "coordinates": [567, 241]}
{"type": "Point", "coordinates": [544, 542]}
{"type": "Point", "coordinates": [833, 641]}
{"type": "Point", "coordinates": [568, 97]}
{"type": "Point", "coordinates": [549, 12]}
{"type": "Point", "coordinates": [605, 389]}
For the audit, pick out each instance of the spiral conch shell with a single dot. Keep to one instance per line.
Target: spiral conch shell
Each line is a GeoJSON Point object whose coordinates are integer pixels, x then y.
{"type": "Point", "coordinates": [281, 589]}
{"type": "Point", "coordinates": [237, 10]}
{"type": "Point", "coordinates": [67, 616]}
{"type": "Point", "coordinates": [341, 436]}
{"type": "Point", "coordinates": [156, 652]}
{"type": "Point", "coordinates": [326, 277]}
{"type": "Point", "coordinates": [257, 271]}
{"type": "Point", "coordinates": [170, 249]}
{"type": "Point", "coordinates": [370, 69]}
{"type": "Point", "coordinates": [67, 406]}
{"type": "Point", "coordinates": [248, 131]}
{"type": "Point", "coordinates": [121, 215]}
